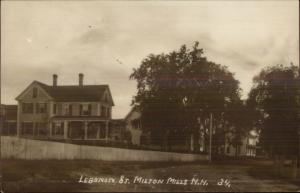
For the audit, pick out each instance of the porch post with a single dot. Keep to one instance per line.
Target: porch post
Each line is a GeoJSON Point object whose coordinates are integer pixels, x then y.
{"type": "Point", "coordinates": [50, 129]}
{"type": "Point", "coordinates": [66, 129]}
{"type": "Point", "coordinates": [33, 129]}
{"type": "Point", "coordinates": [106, 131]}
{"type": "Point", "coordinates": [98, 130]}
{"type": "Point", "coordinates": [85, 129]}
{"type": "Point", "coordinates": [37, 127]}
{"type": "Point", "coordinates": [70, 130]}
{"type": "Point", "coordinates": [18, 119]}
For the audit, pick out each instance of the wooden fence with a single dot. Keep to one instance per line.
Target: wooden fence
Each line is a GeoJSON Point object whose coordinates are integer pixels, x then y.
{"type": "Point", "coordinates": [29, 149]}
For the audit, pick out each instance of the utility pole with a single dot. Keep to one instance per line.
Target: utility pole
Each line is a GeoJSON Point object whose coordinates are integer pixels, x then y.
{"type": "Point", "coordinates": [210, 136]}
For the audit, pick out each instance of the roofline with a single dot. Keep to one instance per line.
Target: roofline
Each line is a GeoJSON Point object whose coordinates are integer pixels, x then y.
{"type": "Point", "coordinates": [43, 84]}
{"type": "Point", "coordinates": [9, 104]}
{"type": "Point", "coordinates": [17, 98]}
{"type": "Point", "coordinates": [131, 111]}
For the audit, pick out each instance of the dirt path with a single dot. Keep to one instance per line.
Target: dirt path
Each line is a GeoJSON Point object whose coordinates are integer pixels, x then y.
{"type": "Point", "coordinates": [64, 176]}
{"type": "Point", "coordinates": [239, 179]}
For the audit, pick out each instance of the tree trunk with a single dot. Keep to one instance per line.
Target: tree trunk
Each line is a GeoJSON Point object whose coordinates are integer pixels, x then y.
{"type": "Point", "coordinates": [192, 143]}
{"type": "Point", "coordinates": [196, 142]}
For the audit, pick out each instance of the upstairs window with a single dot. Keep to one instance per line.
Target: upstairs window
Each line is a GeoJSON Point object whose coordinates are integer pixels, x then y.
{"type": "Point", "coordinates": [41, 107]}
{"type": "Point", "coordinates": [85, 109]}
{"type": "Point", "coordinates": [27, 108]}
{"type": "Point", "coordinates": [66, 109]}
{"type": "Point", "coordinates": [108, 113]}
{"type": "Point", "coordinates": [105, 98]}
{"type": "Point", "coordinates": [54, 108]}
{"type": "Point", "coordinates": [34, 92]}
{"type": "Point", "coordinates": [103, 111]}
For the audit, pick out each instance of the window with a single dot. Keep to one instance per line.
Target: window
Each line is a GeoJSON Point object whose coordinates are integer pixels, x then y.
{"type": "Point", "coordinates": [41, 107]}
{"type": "Point", "coordinates": [27, 108]}
{"type": "Point", "coordinates": [102, 132]}
{"type": "Point", "coordinates": [66, 109]}
{"type": "Point", "coordinates": [58, 128]}
{"type": "Point", "coordinates": [136, 124]}
{"type": "Point", "coordinates": [103, 111]}
{"type": "Point", "coordinates": [27, 128]}
{"type": "Point", "coordinates": [85, 109]}
{"type": "Point", "coordinates": [34, 92]}
{"type": "Point", "coordinates": [105, 98]}
{"type": "Point", "coordinates": [42, 128]}
{"type": "Point", "coordinates": [54, 108]}
{"type": "Point", "coordinates": [108, 112]}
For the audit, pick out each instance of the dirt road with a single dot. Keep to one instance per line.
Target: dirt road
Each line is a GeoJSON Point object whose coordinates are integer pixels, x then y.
{"type": "Point", "coordinates": [98, 176]}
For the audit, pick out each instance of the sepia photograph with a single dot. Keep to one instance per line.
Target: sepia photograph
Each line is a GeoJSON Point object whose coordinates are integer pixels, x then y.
{"type": "Point", "coordinates": [150, 96]}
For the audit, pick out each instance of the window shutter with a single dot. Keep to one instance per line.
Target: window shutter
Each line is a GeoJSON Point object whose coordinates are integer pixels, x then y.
{"type": "Point", "coordinates": [37, 107]}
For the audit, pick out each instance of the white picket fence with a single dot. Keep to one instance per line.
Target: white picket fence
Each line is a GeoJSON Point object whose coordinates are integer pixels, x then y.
{"type": "Point", "coordinates": [28, 149]}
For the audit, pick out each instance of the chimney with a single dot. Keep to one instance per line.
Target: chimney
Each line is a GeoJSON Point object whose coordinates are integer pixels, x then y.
{"type": "Point", "coordinates": [80, 79]}
{"type": "Point", "coordinates": [54, 79]}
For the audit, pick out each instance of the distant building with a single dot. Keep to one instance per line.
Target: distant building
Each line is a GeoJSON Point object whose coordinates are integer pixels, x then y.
{"type": "Point", "coordinates": [118, 127]}
{"type": "Point", "coordinates": [65, 111]}
{"type": "Point", "coordinates": [247, 148]}
{"type": "Point", "coordinates": [139, 136]}
{"type": "Point", "coordinates": [9, 119]}
{"type": "Point", "coordinates": [134, 126]}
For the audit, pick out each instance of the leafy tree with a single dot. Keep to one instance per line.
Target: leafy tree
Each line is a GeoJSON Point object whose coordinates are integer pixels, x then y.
{"type": "Point", "coordinates": [274, 102]}
{"type": "Point", "coordinates": [178, 89]}
{"type": "Point", "coordinates": [238, 115]}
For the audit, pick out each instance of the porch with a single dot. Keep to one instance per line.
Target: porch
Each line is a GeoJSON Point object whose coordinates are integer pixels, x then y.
{"type": "Point", "coordinates": [79, 129]}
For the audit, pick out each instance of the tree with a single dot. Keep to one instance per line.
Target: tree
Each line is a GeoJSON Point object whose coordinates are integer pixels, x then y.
{"type": "Point", "coordinates": [177, 89]}
{"type": "Point", "coordinates": [275, 107]}
{"type": "Point", "coordinates": [238, 115]}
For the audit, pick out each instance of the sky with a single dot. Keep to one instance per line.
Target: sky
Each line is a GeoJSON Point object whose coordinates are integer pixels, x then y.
{"type": "Point", "coordinates": [105, 40]}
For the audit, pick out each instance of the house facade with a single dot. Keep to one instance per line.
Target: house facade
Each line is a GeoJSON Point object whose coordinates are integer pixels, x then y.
{"type": "Point", "coordinates": [247, 148]}
{"type": "Point", "coordinates": [65, 111]}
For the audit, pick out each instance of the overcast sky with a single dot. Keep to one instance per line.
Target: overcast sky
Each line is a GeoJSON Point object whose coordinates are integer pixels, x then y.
{"type": "Point", "coordinates": [106, 40]}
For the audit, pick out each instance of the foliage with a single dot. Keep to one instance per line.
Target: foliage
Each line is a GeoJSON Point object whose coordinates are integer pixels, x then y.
{"type": "Point", "coordinates": [178, 89]}
{"type": "Point", "coordinates": [274, 102]}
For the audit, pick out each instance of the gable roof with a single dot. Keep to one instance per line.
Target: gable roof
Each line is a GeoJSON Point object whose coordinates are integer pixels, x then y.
{"type": "Point", "coordinates": [133, 109]}
{"type": "Point", "coordinates": [75, 93]}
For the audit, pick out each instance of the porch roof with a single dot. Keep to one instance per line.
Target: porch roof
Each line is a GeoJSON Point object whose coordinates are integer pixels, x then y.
{"type": "Point", "coordinates": [80, 118]}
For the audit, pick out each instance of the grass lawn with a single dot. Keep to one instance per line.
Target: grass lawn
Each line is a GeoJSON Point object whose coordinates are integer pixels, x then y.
{"type": "Point", "coordinates": [63, 176]}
